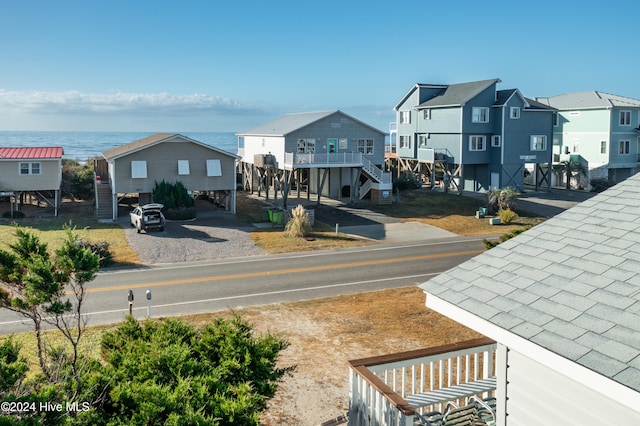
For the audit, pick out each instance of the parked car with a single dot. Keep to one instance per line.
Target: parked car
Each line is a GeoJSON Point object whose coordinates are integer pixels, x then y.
{"type": "Point", "coordinates": [147, 217]}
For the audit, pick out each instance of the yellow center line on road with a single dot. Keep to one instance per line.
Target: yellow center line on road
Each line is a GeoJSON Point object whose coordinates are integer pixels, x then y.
{"type": "Point", "coordinates": [284, 271]}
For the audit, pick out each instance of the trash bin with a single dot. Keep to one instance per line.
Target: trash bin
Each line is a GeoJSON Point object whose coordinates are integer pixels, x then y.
{"type": "Point", "coordinates": [270, 215]}
{"type": "Point", "coordinates": [277, 217]}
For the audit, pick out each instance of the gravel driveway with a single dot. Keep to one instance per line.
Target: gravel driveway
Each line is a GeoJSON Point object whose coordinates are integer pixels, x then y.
{"type": "Point", "coordinates": [213, 235]}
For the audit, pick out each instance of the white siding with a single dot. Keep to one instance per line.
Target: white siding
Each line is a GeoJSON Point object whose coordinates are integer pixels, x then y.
{"type": "Point", "coordinates": [537, 394]}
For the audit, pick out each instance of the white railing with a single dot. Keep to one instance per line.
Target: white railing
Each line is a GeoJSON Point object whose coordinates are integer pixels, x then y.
{"type": "Point", "coordinates": [339, 158]}
{"type": "Point", "coordinates": [379, 385]}
{"type": "Point", "coordinates": [376, 172]}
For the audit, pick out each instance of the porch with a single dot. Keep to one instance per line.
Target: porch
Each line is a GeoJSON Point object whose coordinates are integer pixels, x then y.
{"type": "Point", "coordinates": [397, 389]}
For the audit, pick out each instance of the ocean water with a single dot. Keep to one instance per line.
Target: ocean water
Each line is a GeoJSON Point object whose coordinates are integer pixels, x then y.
{"type": "Point", "coordinates": [81, 146]}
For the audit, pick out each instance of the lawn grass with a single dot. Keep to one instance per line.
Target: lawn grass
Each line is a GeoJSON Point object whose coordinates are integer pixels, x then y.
{"type": "Point", "coordinates": [452, 212]}
{"type": "Point", "coordinates": [79, 217]}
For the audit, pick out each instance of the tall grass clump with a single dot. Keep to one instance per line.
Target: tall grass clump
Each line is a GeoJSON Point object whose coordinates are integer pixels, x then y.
{"type": "Point", "coordinates": [298, 225]}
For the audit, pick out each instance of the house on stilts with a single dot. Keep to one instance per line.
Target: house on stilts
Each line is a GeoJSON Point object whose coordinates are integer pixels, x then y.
{"type": "Point", "coordinates": [329, 154]}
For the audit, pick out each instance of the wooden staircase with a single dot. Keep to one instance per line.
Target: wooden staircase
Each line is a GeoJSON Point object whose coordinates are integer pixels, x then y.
{"type": "Point", "coordinates": [104, 202]}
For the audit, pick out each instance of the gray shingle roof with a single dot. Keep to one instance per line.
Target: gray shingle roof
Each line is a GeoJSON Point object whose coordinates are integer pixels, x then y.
{"type": "Point", "coordinates": [589, 100]}
{"type": "Point", "coordinates": [458, 94]}
{"type": "Point", "coordinates": [288, 123]}
{"type": "Point", "coordinates": [570, 284]}
{"type": "Point", "coordinates": [152, 140]}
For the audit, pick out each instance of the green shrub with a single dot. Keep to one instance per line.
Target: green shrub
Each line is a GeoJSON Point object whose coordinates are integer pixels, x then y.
{"type": "Point", "coordinates": [507, 216]}
{"type": "Point", "coordinates": [77, 180]}
{"type": "Point", "coordinates": [172, 195]}
{"type": "Point", "coordinates": [101, 248]}
{"type": "Point", "coordinates": [502, 199]}
{"type": "Point", "coordinates": [406, 181]}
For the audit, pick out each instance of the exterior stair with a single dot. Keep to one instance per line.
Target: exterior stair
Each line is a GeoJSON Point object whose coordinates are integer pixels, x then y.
{"type": "Point", "coordinates": [104, 202]}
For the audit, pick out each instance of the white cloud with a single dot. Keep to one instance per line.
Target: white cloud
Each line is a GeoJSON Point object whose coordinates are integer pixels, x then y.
{"type": "Point", "coordinates": [37, 102]}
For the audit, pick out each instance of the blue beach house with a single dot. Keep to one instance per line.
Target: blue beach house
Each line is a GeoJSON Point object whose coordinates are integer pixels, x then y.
{"type": "Point", "coordinates": [473, 137]}
{"type": "Point", "coordinates": [600, 130]}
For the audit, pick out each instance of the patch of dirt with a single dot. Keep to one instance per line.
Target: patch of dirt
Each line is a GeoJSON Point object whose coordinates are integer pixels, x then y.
{"type": "Point", "coordinates": [324, 334]}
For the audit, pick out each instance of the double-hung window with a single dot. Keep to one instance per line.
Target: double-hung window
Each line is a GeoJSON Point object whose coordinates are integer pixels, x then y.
{"type": "Point", "coordinates": [514, 113]}
{"type": "Point", "coordinates": [422, 141]}
{"type": "Point", "coordinates": [477, 143]}
{"type": "Point", "coordinates": [365, 146]}
{"type": "Point", "coordinates": [495, 141]}
{"type": "Point", "coordinates": [538, 143]}
{"type": "Point", "coordinates": [624, 147]}
{"type": "Point", "coordinates": [480, 115]}
{"type": "Point", "coordinates": [405, 141]}
{"type": "Point", "coordinates": [625, 118]}
{"type": "Point", "coordinates": [603, 147]}
{"type": "Point", "coordinates": [29, 168]}
{"type": "Point", "coordinates": [405, 117]}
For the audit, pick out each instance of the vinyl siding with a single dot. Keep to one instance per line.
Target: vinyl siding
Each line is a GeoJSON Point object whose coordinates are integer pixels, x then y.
{"type": "Point", "coordinates": [162, 164]}
{"type": "Point", "coordinates": [49, 178]}
{"type": "Point", "coordinates": [537, 394]}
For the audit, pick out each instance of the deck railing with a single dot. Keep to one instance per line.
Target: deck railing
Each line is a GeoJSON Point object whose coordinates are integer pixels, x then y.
{"type": "Point", "coordinates": [379, 385]}
{"type": "Point", "coordinates": [338, 158]}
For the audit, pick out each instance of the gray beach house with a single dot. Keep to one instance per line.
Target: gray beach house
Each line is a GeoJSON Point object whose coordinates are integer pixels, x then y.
{"type": "Point", "coordinates": [134, 168]}
{"type": "Point", "coordinates": [328, 153]}
{"type": "Point", "coordinates": [473, 136]}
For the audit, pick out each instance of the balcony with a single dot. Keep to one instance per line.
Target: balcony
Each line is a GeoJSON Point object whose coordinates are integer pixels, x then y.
{"type": "Point", "coordinates": [394, 390]}
{"type": "Point", "coordinates": [341, 159]}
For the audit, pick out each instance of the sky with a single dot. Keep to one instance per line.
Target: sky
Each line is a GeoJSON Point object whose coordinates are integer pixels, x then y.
{"type": "Point", "coordinates": [228, 66]}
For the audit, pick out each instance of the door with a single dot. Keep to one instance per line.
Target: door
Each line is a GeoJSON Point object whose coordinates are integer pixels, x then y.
{"type": "Point", "coordinates": [495, 180]}
{"type": "Point", "coordinates": [332, 149]}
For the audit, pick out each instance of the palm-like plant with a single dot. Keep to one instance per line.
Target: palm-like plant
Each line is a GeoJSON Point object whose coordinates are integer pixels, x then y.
{"type": "Point", "coordinates": [573, 168]}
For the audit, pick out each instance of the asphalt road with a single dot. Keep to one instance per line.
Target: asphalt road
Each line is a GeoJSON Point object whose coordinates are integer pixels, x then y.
{"type": "Point", "coordinates": [233, 283]}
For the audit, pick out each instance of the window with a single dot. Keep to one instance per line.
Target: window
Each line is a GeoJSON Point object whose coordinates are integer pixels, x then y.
{"type": "Point", "coordinates": [514, 114]}
{"type": "Point", "coordinates": [495, 141]}
{"type": "Point", "coordinates": [405, 141]}
{"type": "Point", "coordinates": [624, 147]}
{"type": "Point", "coordinates": [477, 143]}
{"type": "Point", "coordinates": [555, 119]}
{"type": "Point", "coordinates": [480, 115]}
{"type": "Point", "coordinates": [306, 146]}
{"type": "Point", "coordinates": [29, 168]}
{"type": "Point", "coordinates": [603, 147]}
{"type": "Point", "coordinates": [405, 116]}
{"type": "Point", "coordinates": [422, 141]}
{"type": "Point", "coordinates": [427, 114]}
{"type": "Point", "coordinates": [183, 167]}
{"type": "Point", "coordinates": [538, 143]}
{"type": "Point", "coordinates": [365, 146]}
{"type": "Point", "coordinates": [139, 169]}
{"type": "Point", "coordinates": [213, 167]}
{"type": "Point", "coordinates": [625, 118]}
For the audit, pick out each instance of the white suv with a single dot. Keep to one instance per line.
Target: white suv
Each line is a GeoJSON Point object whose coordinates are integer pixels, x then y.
{"type": "Point", "coordinates": [147, 217]}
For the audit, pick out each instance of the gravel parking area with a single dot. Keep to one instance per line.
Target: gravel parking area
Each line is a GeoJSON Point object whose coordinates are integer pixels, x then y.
{"type": "Point", "coordinates": [213, 235]}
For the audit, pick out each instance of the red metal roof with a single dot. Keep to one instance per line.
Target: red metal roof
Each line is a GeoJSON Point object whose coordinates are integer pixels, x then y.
{"type": "Point", "coordinates": [31, 152]}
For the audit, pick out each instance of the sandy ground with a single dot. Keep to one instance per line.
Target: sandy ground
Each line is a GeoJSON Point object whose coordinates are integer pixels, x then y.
{"type": "Point", "coordinates": [324, 334]}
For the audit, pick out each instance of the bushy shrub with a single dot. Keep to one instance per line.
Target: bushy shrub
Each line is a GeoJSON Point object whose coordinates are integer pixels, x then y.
{"type": "Point", "coordinates": [507, 216]}
{"type": "Point", "coordinates": [599, 185]}
{"type": "Point", "coordinates": [77, 180]}
{"type": "Point", "coordinates": [406, 181]}
{"type": "Point", "coordinates": [504, 237]}
{"type": "Point", "coordinates": [299, 225]}
{"type": "Point", "coordinates": [502, 199]}
{"type": "Point", "coordinates": [101, 248]}
{"type": "Point", "coordinates": [178, 204]}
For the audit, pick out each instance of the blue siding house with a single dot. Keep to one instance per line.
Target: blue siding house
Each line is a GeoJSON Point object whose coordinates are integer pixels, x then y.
{"type": "Point", "coordinates": [473, 135]}
{"type": "Point", "coordinates": [600, 128]}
